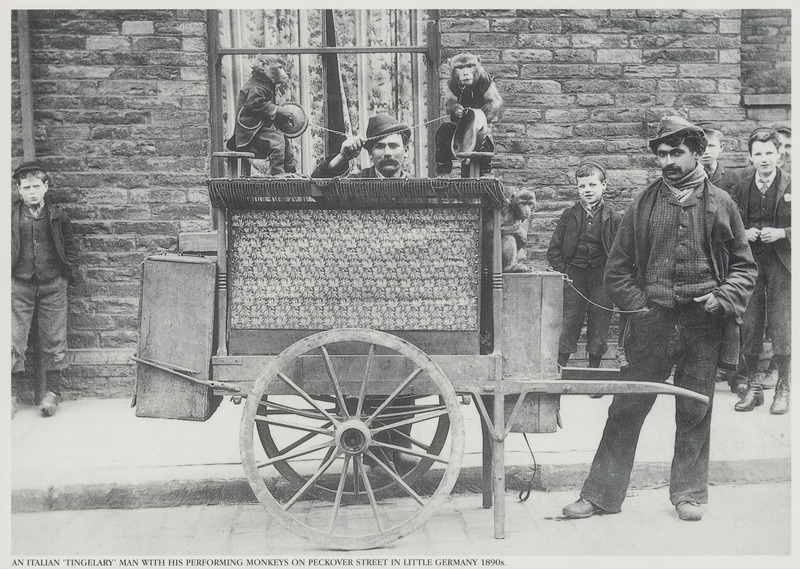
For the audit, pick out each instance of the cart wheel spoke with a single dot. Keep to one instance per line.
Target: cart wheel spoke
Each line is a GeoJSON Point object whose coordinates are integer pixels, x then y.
{"type": "Point", "coordinates": [307, 397]}
{"type": "Point", "coordinates": [373, 503]}
{"type": "Point", "coordinates": [416, 419]}
{"type": "Point", "coordinates": [339, 491]}
{"type": "Point", "coordinates": [318, 430]}
{"type": "Point", "coordinates": [403, 450]}
{"type": "Point", "coordinates": [302, 440]}
{"type": "Point", "coordinates": [411, 377]}
{"type": "Point", "coordinates": [337, 390]}
{"type": "Point", "coordinates": [350, 435]}
{"type": "Point", "coordinates": [278, 409]}
{"type": "Point", "coordinates": [362, 392]}
{"type": "Point", "coordinates": [397, 478]}
{"type": "Point", "coordinates": [290, 455]}
{"type": "Point", "coordinates": [300, 493]}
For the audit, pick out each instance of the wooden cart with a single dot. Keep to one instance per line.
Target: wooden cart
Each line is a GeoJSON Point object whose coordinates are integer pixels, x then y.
{"type": "Point", "coordinates": [355, 316]}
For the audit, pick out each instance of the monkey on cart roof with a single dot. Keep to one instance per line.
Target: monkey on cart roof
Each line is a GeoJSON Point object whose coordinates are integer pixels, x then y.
{"type": "Point", "coordinates": [470, 86]}
{"type": "Point", "coordinates": [256, 109]}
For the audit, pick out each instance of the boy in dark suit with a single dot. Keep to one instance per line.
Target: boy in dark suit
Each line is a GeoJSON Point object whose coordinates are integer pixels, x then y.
{"type": "Point", "coordinates": [579, 248]}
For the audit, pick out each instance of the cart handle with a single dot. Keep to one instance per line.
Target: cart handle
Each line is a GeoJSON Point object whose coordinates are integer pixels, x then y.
{"type": "Point", "coordinates": [173, 369]}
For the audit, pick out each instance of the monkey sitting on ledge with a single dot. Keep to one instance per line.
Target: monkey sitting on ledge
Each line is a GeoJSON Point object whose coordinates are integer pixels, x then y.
{"type": "Point", "coordinates": [256, 108]}
{"type": "Point", "coordinates": [514, 230]}
{"type": "Point", "coordinates": [470, 86]}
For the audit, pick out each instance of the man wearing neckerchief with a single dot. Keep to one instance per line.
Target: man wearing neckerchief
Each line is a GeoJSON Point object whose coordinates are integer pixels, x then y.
{"type": "Point", "coordinates": [680, 258]}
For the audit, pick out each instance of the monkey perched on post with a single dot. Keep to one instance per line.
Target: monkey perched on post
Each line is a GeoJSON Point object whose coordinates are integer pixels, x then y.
{"type": "Point", "coordinates": [256, 108]}
{"type": "Point", "coordinates": [470, 86]}
{"type": "Point", "coordinates": [514, 230]}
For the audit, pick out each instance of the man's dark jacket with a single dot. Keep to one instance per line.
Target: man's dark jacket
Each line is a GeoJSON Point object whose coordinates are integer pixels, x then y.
{"type": "Point", "coordinates": [783, 211]}
{"type": "Point", "coordinates": [565, 237]}
{"type": "Point", "coordinates": [65, 242]}
{"type": "Point", "coordinates": [723, 179]}
{"type": "Point", "coordinates": [731, 258]}
{"type": "Point", "coordinates": [324, 170]}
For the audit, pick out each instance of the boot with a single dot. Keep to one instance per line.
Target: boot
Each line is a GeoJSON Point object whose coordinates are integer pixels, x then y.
{"type": "Point", "coordinates": [780, 404]}
{"type": "Point", "coordinates": [771, 376]}
{"type": "Point", "coordinates": [563, 358]}
{"type": "Point", "coordinates": [752, 398]}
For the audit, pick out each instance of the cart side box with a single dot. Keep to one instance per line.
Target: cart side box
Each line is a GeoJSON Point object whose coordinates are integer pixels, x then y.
{"type": "Point", "coordinates": [532, 320]}
{"type": "Point", "coordinates": [176, 331]}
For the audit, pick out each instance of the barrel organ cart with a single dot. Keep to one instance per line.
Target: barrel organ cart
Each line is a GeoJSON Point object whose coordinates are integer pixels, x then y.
{"type": "Point", "coordinates": [354, 316]}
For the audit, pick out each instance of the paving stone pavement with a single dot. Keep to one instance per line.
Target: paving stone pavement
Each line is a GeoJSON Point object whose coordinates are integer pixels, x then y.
{"type": "Point", "coordinates": [740, 520]}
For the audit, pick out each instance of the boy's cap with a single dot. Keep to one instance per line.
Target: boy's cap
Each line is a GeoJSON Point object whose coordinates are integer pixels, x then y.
{"type": "Point", "coordinates": [30, 166]}
{"type": "Point", "coordinates": [783, 127]}
{"type": "Point", "coordinates": [670, 126]}
{"type": "Point", "coordinates": [762, 130]}
{"type": "Point", "coordinates": [709, 126]}
{"type": "Point", "coordinates": [594, 163]}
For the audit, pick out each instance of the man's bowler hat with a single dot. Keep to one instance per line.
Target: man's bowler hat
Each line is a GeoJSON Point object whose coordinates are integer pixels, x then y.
{"type": "Point", "coordinates": [672, 126]}
{"type": "Point", "coordinates": [30, 166]}
{"type": "Point", "coordinates": [383, 125]}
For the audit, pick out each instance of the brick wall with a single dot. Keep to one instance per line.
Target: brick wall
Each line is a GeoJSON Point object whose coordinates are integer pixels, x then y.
{"type": "Point", "coordinates": [766, 52]}
{"type": "Point", "coordinates": [122, 121]}
{"type": "Point", "coordinates": [580, 83]}
{"type": "Point", "coordinates": [121, 118]}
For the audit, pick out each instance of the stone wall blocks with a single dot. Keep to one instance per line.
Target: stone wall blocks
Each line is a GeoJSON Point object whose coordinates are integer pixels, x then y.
{"type": "Point", "coordinates": [138, 28]}
{"type": "Point", "coordinates": [477, 24]}
{"type": "Point", "coordinates": [108, 43]}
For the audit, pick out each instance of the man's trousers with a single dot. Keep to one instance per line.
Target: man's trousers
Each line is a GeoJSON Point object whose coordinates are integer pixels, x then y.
{"type": "Point", "coordinates": [685, 336]}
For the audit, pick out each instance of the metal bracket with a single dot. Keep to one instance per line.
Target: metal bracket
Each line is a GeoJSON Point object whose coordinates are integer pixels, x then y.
{"type": "Point", "coordinates": [176, 370]}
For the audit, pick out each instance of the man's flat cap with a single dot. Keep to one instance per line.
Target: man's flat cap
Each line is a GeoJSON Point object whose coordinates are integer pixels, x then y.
{"type": "Point", "coordinates": [383, 125]}
{"type": "Point", "coordinates": [671, 126]}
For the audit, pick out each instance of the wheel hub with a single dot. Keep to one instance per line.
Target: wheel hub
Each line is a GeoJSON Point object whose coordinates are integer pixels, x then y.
{"type": "Point", "coordinates": [353, 437]}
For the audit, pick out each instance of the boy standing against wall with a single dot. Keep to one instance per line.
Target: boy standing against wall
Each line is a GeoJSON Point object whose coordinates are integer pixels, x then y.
{"type": "Point", "coordinates": [44, 255]}
{"type": "Point", "coordinates": [764, 201]}
{"type": "Point", "coordinates": [579, 247]}
{"type": "Point", "coordinates": [716, 172]}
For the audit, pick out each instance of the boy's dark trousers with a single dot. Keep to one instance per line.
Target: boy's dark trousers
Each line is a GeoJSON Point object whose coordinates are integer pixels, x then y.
{"type": "Point", "coordinates": [772, 299]}
{"type": "Point", "coordinates": [688, 337]}
{"type": "Point", "coordinates": [48, 299]}
{"type": "Point", "coordinates": [589, 281]}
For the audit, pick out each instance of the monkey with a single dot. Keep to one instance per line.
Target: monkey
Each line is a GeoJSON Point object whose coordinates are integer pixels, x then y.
{"type": "Point", "coordinates": [470, 86]}
{"type": "Point", "coordinates": [514, 230]}
{"type": "Point", "coordinates": [256, 108]}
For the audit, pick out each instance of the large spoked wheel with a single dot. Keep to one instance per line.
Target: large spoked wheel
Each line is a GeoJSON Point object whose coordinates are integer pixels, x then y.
{"type": "Point", "coordinates": [342, 452]}
{"type": "Point", "coordinates": [276, 440]}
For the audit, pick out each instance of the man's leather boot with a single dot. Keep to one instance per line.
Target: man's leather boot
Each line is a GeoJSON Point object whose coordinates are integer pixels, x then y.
{"type": "Point", "coordinates": [753, 398]}
{"type": "Point", "coordinates": [780, 404]}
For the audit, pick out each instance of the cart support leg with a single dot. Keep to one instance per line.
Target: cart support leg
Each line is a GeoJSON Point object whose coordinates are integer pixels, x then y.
{"type": "Point", "coordinates": [499, 468]}
{"type": "Point", "coordinates": [487, 457]}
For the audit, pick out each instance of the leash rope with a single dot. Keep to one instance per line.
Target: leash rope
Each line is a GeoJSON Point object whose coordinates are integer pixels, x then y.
{"type": "Point", "coordinates": [525, 493]}
{"type": "Point", "coordinates": [569, 281]}
{"type": "Point", "coordinates": [420, 125]}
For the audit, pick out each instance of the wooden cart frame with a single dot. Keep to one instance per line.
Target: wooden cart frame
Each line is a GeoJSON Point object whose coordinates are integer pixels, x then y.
{"type": "Point", "coordinates": [359, 391]}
